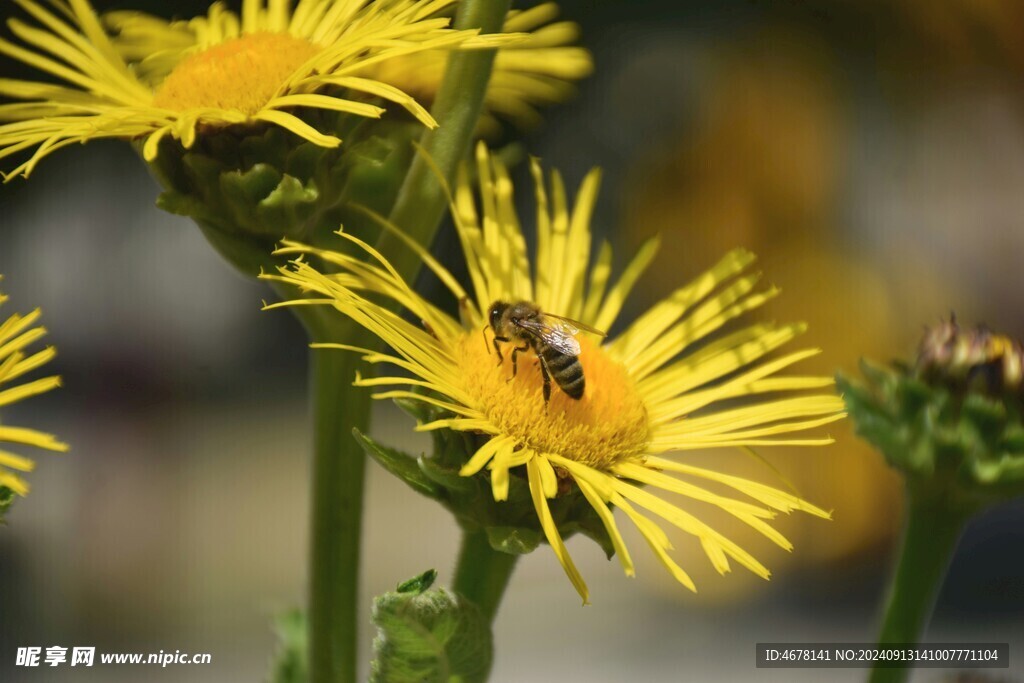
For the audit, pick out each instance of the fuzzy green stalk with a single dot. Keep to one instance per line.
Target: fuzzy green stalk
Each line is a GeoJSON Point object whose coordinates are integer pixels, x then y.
{"type": "Point", "coordinates": [339, 462]}
{"type": "Point", "coordinates": [929, 538]}
{"type": "Point", "coordinates": [482, 573]}
{"type": "Point", "coordinates": [338, 472]}
{"type": "Point", "coordinates": [422, 201]}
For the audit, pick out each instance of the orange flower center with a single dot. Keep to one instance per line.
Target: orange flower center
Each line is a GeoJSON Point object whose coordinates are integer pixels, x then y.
{"type": "Point", "coordinates": [240, 74]}
{"type": "Point", "coordinates": [607, 425]}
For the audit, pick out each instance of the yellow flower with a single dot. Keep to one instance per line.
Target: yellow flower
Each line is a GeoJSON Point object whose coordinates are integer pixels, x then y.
{"type": "Point", "coordinates": [673, 380]}
{"type": "Point", "coordinates": [180, 78]}
{"type": "Point", "coordinates": [538, 71]}
{"type": "Point", "coordinates": [17, 334]}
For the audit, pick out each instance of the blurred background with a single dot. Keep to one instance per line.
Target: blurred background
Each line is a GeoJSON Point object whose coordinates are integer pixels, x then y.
{"type": "Point", "coordinates": [872, 154]}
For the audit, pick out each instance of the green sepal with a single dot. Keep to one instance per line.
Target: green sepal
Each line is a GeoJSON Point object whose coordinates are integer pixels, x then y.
{"type": "Point", "coordinates": [402, 465]}
{"type": "Point", "coordinates": [444, 477]}
{"type": "Point", "coordinates": [289, 664]}
{"type": "Point", "coordinates": [429, 636]}
{"type": "Point", "coordinates": [417, 410]}
{"type": "Point", "coordinates": [513, 540]}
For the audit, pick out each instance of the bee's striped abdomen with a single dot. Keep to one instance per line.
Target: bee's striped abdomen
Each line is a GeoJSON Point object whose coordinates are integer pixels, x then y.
{"type": "Point", "coordinates": [565, 370]}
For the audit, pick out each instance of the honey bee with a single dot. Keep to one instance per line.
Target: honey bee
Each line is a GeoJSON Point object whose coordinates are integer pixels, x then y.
{"type": "Point", "coordinates": [551, 337]}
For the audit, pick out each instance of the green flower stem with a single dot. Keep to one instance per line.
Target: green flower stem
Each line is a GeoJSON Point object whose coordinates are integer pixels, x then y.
{"type": "Point", "coordinates": [482, 573]}
{"type": "Point", "coordinates": [339, 468]}
{"type": "Point", "coordinates": [421, 201]}
{"type": "Point", "coordinates": [932, 530]}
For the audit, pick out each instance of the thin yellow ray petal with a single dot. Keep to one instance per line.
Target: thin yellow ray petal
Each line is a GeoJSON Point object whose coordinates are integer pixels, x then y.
{"type": "Point", "coordinates": [690, 524]}
{"type": "Point", "coordinates": [16, 462]}
{"type": "Point", "coordinates": [768, 531]}
{"type": "Point", "coordinates": [773, 497]}
{"type": "Point", "coordinates": [297, 126]}
{"type": "Point", "coordinates": [14, 482]}
{"type": "Point", "coordinates": [31, 437]}
{"type": "Point", "coordinates": [681, 336]}
{"type": "Point", "coordinates": [613, 302]}
{"type": "Point", "coordinates": [656, 539]}
{"type": "Point", "coordinates": [608, 519]}
{"type": "Point", "coordinates": [540, 502]}
{"type": "Point", "coordinates": [22, 341]}
{"type": "Point", "coordinates": [482, 425]}
{"type": "Point", "coordinates": [152, 144]}
{"type": "Point", "coordinates": [548, 480]}
{"type": "Point", "coordinates": [663, 314]}
{"type": "Point", "coordinates": [600, 272]}
{"type": "Point", "coordinates": [442, 273]}
{"type": "Point", "coordinates": [484, 455]}
{"type": "Point", "coordinates": [745, 383]}
{"type": "Point", "coordinates": [727, 421]}
{"type": "Point", "coordinates": [446, 405]}
{"type": "Point", "coordinates": [94, 31]}
{"type": "Point", "coordinates": [16, 323]}
{"type": "Point", "coordinates": [499, 467]}
{"type": "Point", "coordinates": [386, 92]}
{"type": "Point", "coordinates": [666, 333]}
{"type": "Point", "coordinates": [543, 256]}
{"type": "Point", "coordinates": [33, 362]}
{"type": "Point", "coordinates": [659, 446]}
{"type": "Point", "coordinates": [524, 21]}
{"type": "Point", "coordinates": [326, 102]}
{"type": "Point", "coordinates": [23, 391]}
{"type": "Point", "coordinates": [716, 360]}
{"type": "Point", "coordinates": [578, 256]}
{"type": "Point", "coordinates": [521, 457]}
{"type": "Point", "coordinates": [251, 15]}
{"type": "Point", "coordinates": [651, 477]}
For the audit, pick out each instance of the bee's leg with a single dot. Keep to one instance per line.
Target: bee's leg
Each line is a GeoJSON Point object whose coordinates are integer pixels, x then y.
{"type": "Point", "coordinates": [547, 381]}
{"type": "Point", "coordinates": [497, 348]}
{"type": "Point", "coordinates": [515, 352]}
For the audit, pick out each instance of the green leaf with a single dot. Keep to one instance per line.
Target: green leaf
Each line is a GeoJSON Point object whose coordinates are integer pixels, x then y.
{"type": "Point", "coordinates": [429, 636]}
{"type": "Point", "coordinates": [400, 464]}
{"type": "Point", "coordinates": [418, 584]}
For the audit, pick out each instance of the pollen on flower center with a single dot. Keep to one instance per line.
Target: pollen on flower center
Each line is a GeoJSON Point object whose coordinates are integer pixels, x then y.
{"type": "Point", "coordinates": [608, 425]}
{"type": "Point", "coordinates": [241, 74]}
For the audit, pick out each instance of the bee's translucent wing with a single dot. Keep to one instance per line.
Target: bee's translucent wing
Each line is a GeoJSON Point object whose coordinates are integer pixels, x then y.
{"type": "Point", "coordinates": [576, 325]}
{"type": "Point", "coordinates": [555, 333]}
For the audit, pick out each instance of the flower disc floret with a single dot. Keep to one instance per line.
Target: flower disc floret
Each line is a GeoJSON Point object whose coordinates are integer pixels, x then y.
{"type": "Point", "coordinates": [243, 73]}
{"type": "Point", "coordinates": [607, 426]}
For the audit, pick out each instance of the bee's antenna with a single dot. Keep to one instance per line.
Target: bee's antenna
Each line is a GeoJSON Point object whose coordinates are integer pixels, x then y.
{"type": "Point", "coordinates": [484, 333]}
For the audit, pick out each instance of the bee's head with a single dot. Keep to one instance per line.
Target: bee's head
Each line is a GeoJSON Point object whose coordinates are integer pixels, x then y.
{"type": "Point", "coordinates": [495, 312]}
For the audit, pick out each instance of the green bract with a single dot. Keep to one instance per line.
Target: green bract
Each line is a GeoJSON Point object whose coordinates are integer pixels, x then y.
{"type": "Point", "coordinates": [952, 438]}
{"type": "Point", "coordinates": [249, 187]}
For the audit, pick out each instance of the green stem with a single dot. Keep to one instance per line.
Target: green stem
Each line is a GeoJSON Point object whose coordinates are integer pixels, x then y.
{"type": "Point", "coordinates": [930, 536]}
{"type": "Point", "coordinates": [482, 573]}
{"type": "Point", "coordinates": [339, 467]}
{"type": "Point", "coordinates": [421, 201]}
